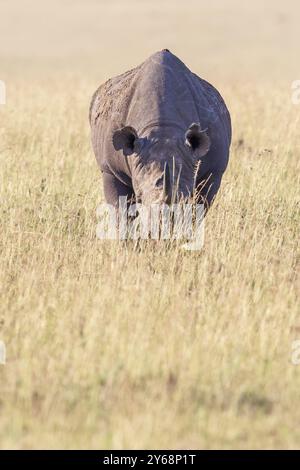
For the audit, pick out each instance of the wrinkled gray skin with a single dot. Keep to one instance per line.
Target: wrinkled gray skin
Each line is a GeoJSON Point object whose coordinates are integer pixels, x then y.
{"type": "Point", "coordinates": [160, 133]}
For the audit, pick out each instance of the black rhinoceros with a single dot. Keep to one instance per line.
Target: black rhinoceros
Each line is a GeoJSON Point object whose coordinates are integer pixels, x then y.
{"type": "Point", "coordinates": [160, 133]}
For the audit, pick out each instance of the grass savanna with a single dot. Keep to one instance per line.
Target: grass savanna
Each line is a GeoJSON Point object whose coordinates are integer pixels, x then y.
{"type": "Point", "coordinates": [109, 346]}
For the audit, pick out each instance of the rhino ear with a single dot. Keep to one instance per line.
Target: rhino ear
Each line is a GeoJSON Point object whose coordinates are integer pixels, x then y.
{"type": "Point", "coordinates": [124, 139]}
{"type": "Point", "coordinates": [197, 139]}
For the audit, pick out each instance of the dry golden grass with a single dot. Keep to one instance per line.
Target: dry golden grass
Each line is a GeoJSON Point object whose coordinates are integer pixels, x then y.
{"type": "Point", "coordinates": [111, 347]}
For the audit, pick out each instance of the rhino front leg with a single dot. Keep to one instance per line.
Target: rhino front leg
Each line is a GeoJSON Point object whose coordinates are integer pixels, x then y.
{"type": "Point", "coordinates": [114, 189]}
{"type": "Point", "coordinates": [208, 188]}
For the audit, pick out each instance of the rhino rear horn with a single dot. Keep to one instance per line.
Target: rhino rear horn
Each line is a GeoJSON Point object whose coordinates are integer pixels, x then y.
{"type": "Point", "coordinates": [197, 139]}
{"type": "Point", "coordinates": [124, 139]}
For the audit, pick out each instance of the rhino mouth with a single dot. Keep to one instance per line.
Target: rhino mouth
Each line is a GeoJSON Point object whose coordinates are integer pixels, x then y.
{"type": "Point", "coordinates": [157, 185]}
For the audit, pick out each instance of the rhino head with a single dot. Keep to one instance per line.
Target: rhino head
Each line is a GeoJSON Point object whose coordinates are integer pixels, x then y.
{"type": "Point", "coordinates": [163, 167]}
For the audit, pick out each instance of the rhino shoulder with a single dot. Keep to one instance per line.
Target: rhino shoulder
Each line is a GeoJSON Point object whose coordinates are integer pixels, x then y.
{"type": "Point", "coordinates": [111, 96]}
{"type": "Point", "coordinates": [217, 102]}
{"type": "Point", "coordinates": [95, 102]}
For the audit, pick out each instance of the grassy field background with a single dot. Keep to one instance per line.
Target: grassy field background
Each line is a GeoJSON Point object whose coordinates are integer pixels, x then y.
{"type": "Point", "coordinates": [112, 347]}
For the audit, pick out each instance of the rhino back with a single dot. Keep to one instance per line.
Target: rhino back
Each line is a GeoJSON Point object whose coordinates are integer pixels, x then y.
{"type": "Point", "coordinates": [161, 90]}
